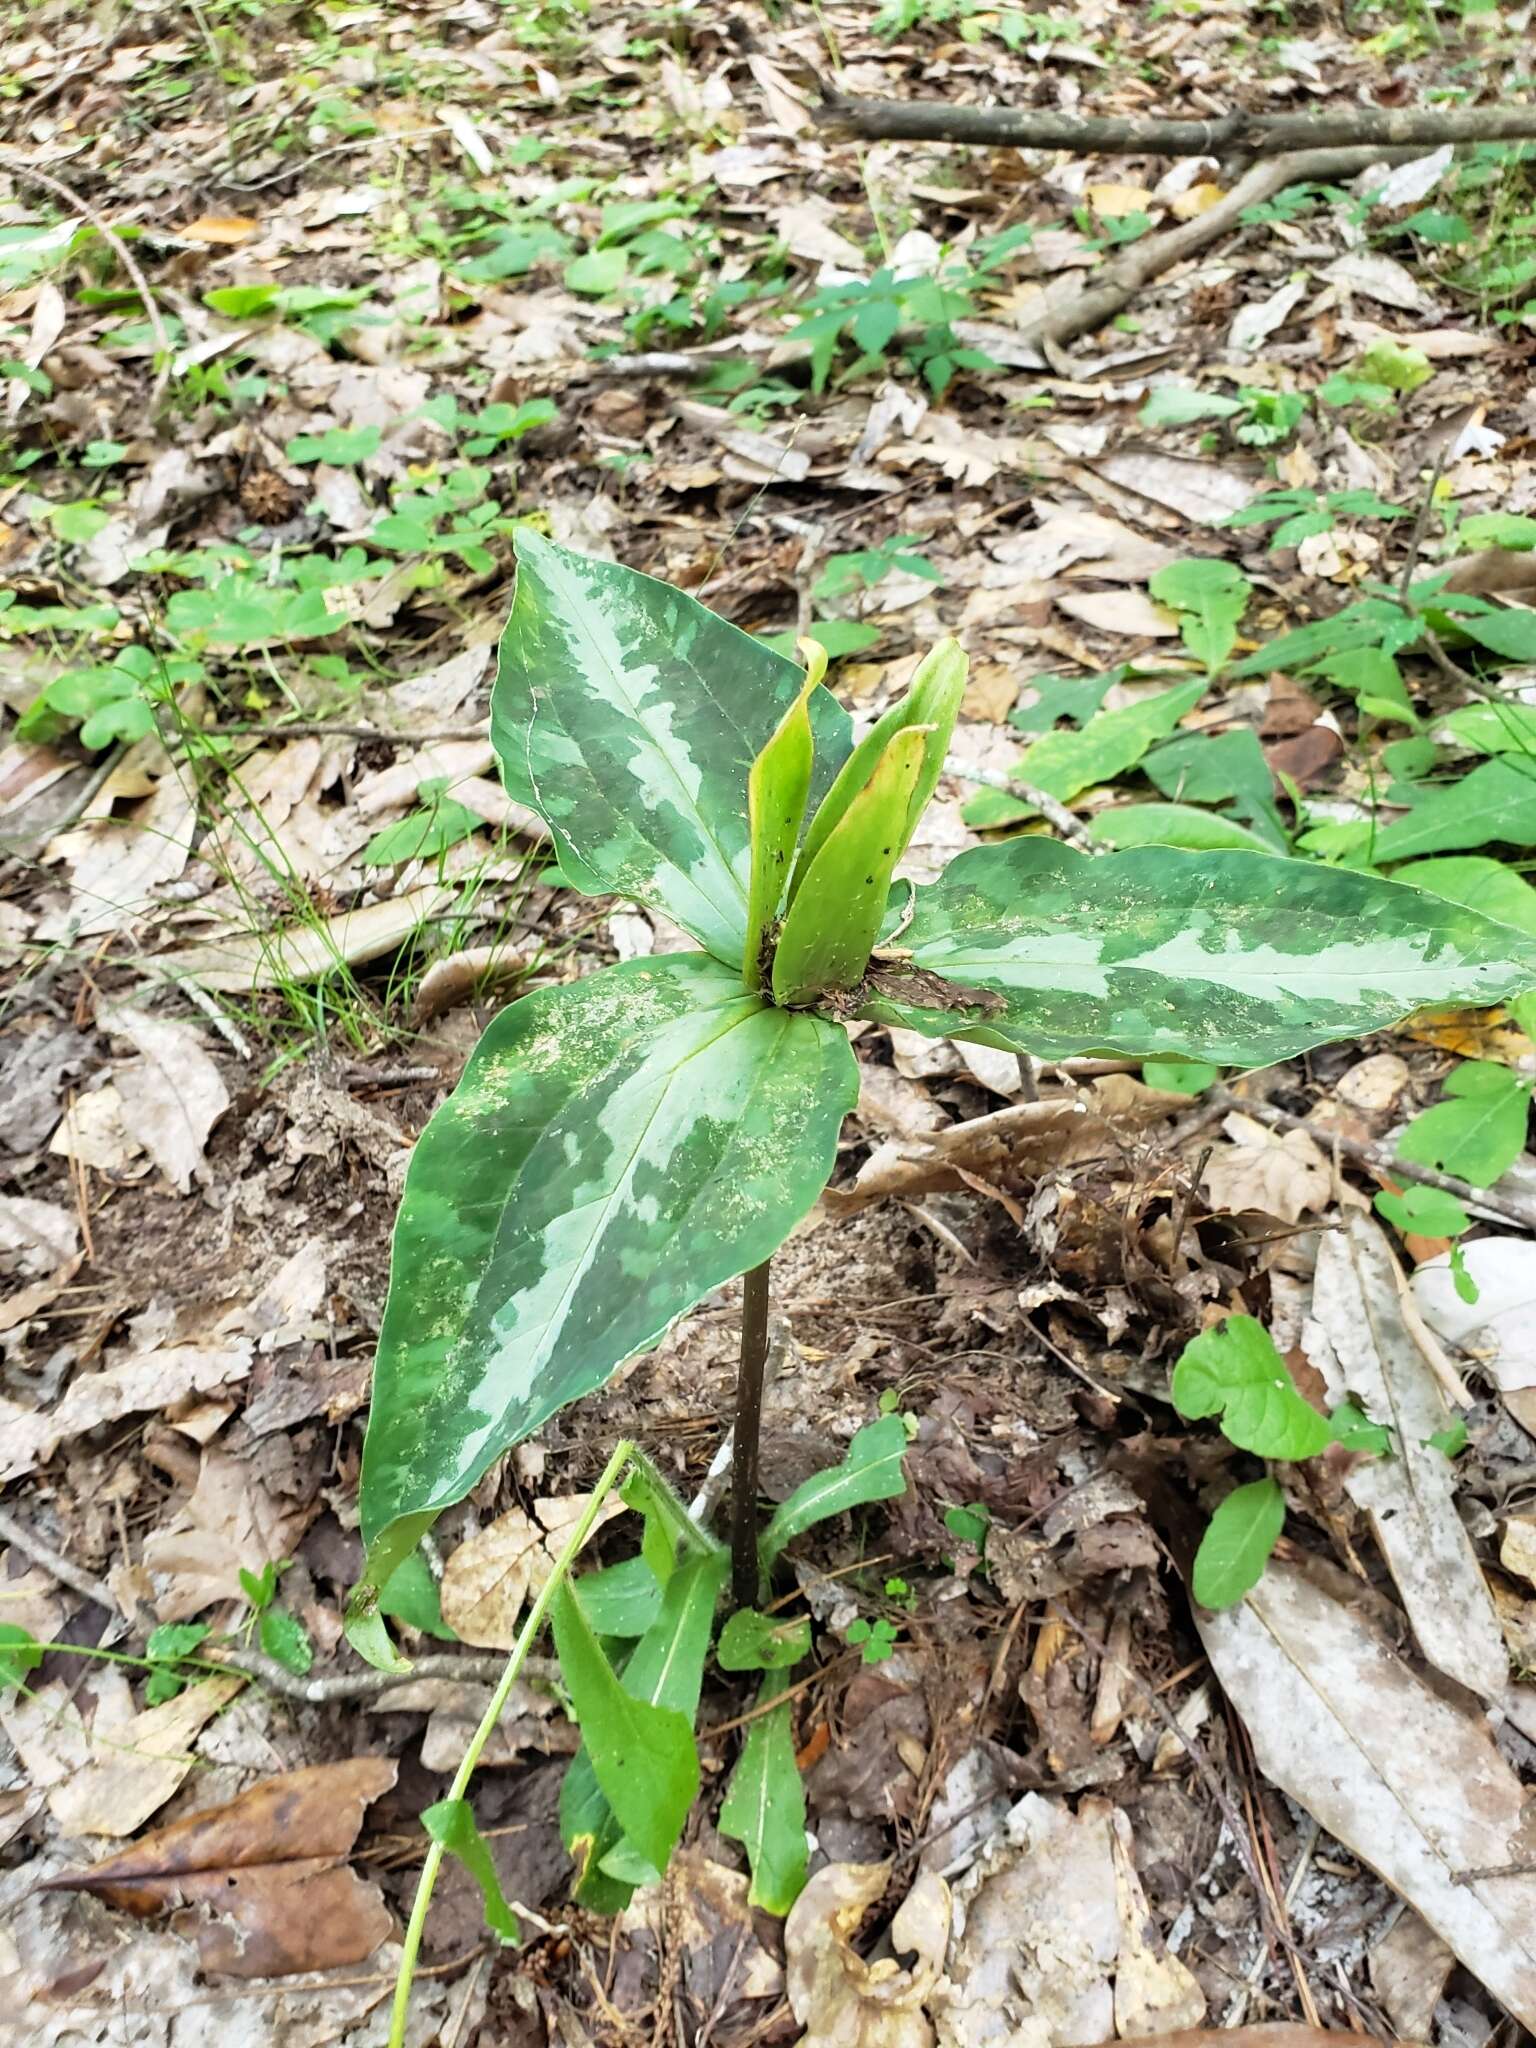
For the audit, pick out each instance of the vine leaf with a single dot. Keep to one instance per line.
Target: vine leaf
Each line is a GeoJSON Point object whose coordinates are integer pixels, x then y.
{"type": "Point", "coordinates": [1234, 1371]}
{"type": "Point", "coordinates": [871, 1471]}
{"type": "Point", "coordinates": [1237, 1543]}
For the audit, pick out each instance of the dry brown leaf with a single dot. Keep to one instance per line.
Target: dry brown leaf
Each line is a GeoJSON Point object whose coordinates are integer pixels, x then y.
{"type": "Point", "coordinates": [116, 864]}
{"type": "Point", "coordinates": [260, 1884]}
{"type": "Point", "coordinates": [1409, 1968]}
{"type": "Point", "coordinates": [487, 1580]}
{"type": "Point", "coordinates": [257, 960]}
{"type": "Point", "coordinates": [839, 1999]}
{"type": "Point", "coordinates": [231, 1521]}
{"type": "Point", "coordinates": [146, 1380]}
{"type": "Point", "coordinates": [172, 1095]}
{"type": "Point", "coordinates": [1204, 492]}
{"type": "Point", "coordinates": [1280, 1175]}
{"type": "Point", "coordinates": [220, 230]}
{"type": "Point", "coordinates": [109, 1778]}
{"type": "Point", "coordinates": [36, 1237]}
{"type": "Point", "coordinates": [1129, 612]}
{"type": "Point", "coordinates": [1413, 1785]}
{"type": "Point", "coordinates": [93, 1132]}
{"type": "Point", "coordinates": [1517, 1547]}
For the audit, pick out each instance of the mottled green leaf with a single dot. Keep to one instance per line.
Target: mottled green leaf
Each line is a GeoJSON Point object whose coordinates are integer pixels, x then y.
{"type": "Point", "coordinates": [835, 919]}
{"type": "Point", "coordinates": [764, 1808]}
{"type": "Point", "coordinates": [870, 1471]}
{"type": "Point", "coordinates": [642, 1754]}
{"type": "Point", "coordinates": [628, 716]}
{"type": "Point", "coordinates": [1234, 1371]}
{"type": "Point", "coordinates": [1237, 1544]}
{"type": "Point", "coordinates": [1241, 958]}
{"type": "Point", "coordinates": [452, 1822]}
{"type": "Point", "coordinates": [664, 1673]}
{"type": "Point", "coordinates": [1478, 1131]}
{"type": "Point", "coordinates": [1064, 764]}
{"type": "Point", "coordinates": [616, 1148]}
{"type": "Point", "coordinates": [756, 1642]}
{"type": "Point", "coordinates": [778, 789]}
{"type": "Point", "coordinates": [1483, 884]}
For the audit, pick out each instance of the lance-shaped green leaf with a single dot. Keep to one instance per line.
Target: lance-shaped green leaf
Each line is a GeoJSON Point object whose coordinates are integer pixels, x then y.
{"type": "Point", "coordinates": [615, 1149]}
{"type": "Point", "coordinates": [452, 1822]}
{"type": "Point", "coordinates": [1237, 1543]}
{"type": "Point", "coordinates": [932, 701]}
{"type": "Point", "coordinates": [764, 1809]}
{"type": "Point", "coordinates": [870, 1471]}
{"type": "Point", "coordinates": [641, 1752]}
{"type": "Point", "coordinates": [778, 790]}
{"type": "Point", "coordinates": [756, 1642]}
{"type": "Point", "coordinates": [1241, 958]}
{"type": "Point", "coordinates": [834, 921]}
{"type": "Point", "coordinates": [628, 716]}
{"type": "Point", "coordinates": [664, 1673]}
{"type": "Point", "coordinates": [622, 1599]}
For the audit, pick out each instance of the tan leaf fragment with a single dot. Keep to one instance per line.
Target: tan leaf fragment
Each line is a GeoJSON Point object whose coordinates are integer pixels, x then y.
{"type": "Point", "coordinates": [230, 1521]}
{"type": "Point", "coordinates": [109, 1778]}
{"type": "Point", "coordinates": [1413, 1785]}
{"type": "Point", "coordinates": [147, 1380]}
{"type": "Point", "coordinates": [172, 1095]}
{"type": "Point", "coordinates": [1278, 1174]}
{"type": "Point", "coordinates": [488, 1578]}
{"type": "Point", "coordinates": [261, 1884]}
{"type": "Point", "coordinates": [1359, 1341]}
{"type": "Point", "coordinates": [300, 952]}
{"type": "Point", "coordinates": [838, 1998]}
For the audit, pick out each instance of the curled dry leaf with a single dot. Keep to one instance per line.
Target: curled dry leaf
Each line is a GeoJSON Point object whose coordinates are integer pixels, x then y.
{"type": "Point", "coordinates": [1023, 1141]}
{"type": "Point", "coordinates": [260, 1884]}
{"type": "Point", "coordinates": [839, 1999]}
{"type": "Point", "coordinates": [1412, 1784]}
{"type": "Point", "coordinates": [1279, 1175]}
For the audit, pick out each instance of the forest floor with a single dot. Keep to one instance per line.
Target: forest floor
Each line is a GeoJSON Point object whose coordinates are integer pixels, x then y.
{"type": "Point", "coordinates": [303, 310]}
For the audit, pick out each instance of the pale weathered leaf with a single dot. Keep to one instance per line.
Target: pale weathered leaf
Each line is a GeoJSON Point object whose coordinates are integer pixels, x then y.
{"type": "Point", "coordinates": [1411, 1784]}
{"type": "Point", "coordinates": [1235, 957]}
{"type": "Point", "coordinates": [1358, 1330]}
{"type": "Point", "coordinates": [1499, 1328]}
{"type": "Point", "coordinates": [172, 1095]}
{"type": "Point", "coordinates": [615, 1149]}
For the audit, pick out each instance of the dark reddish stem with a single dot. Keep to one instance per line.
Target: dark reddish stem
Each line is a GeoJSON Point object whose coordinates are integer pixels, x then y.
{"type": "Point", "coordinates": [745, 1576]}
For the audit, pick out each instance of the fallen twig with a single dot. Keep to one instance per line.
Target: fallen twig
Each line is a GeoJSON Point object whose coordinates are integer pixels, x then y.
{"type": "Point", "coordinates": [1070, 306]}
{"type": "Point", "coordinates": [56, 1565]}
{"type": "Point", "coordinates": [1373, 129]}
{"type": "Point", "coordinates": [364, 1685]}
{"type": "Point", "coordinates": [1481, 1201]}
{"type": "Point", "coordinates": [14, 167]}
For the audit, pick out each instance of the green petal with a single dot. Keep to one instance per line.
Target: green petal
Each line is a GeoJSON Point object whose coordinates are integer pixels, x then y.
{"type": "Point", "coordinates": [1241, 958]}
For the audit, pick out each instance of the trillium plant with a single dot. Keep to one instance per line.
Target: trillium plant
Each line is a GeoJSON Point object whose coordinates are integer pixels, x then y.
{"type": "Point", "coordinates": [622, 1144]}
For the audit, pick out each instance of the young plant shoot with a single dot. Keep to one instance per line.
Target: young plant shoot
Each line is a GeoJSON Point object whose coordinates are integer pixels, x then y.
{"type": "Point", "coordinates": [622, 1144]}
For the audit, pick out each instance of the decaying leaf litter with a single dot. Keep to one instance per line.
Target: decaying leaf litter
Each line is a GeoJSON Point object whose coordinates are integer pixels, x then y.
{"type": "Point", "coordinates": [412, 277]}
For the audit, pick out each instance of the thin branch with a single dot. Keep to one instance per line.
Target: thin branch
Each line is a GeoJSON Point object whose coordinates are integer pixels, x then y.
{"type": "Point", "coordinates": [365, 1685]}
{"type": "Point", "coordinates": [1374, 128]}
{"type": "Point", "coordinates": [56, 1565]}
{"type": "Point", "coordinates": [14, 167]}
{"type": "Point", "coordinates": [1481, 1201]}
{"type": "Point", "coordinates": [1050, 808]}
{"type": "Point", "coordinates": [311, 728]}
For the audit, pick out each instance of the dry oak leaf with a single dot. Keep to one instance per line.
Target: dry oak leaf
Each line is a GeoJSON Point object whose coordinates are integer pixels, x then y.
{"type": "Point", "coordinates": [1279, 1175]}
{"type": "Point", "coordinates": [260, 1884]}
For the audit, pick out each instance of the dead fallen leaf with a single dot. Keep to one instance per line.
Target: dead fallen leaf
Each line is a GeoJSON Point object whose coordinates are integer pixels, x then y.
{"type": "Point", "coordinates": [231, 1520]}
{"type": "Point", "coordinates": [1359, 1341]}
{"type": "Point", "coordinates": [1499, 1328]}
{"type": "Point", "coordinates": [257, 960]}
{"type": "Point", "coordinates": [109, 1778]}
{"type": "Point", "coordinates": [260, 1884]}
{"type": "Point", "coordinates": [141, 1381]}
{"type": "Point", "coordinates": [1279, 1175]}
{"type": "Point", "coordinates": [1414, 1786]}
{"type": "Point", "coordinates": [36, 1237]}
{"type": "Point", "coordinates": [488, 1578]}
{"type": "Point", "coordinates": [172, 1095]}
{"type": "Point", "coordinates": [839, 1999]}
{"type": "Point", "coordinates": [220, 230]}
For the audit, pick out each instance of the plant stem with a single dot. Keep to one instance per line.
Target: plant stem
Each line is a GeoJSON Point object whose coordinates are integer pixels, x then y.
{"type": "Point", "coordinates": [612, 1473]}
{"type": "Point", "coordinates": [745, 1573]}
